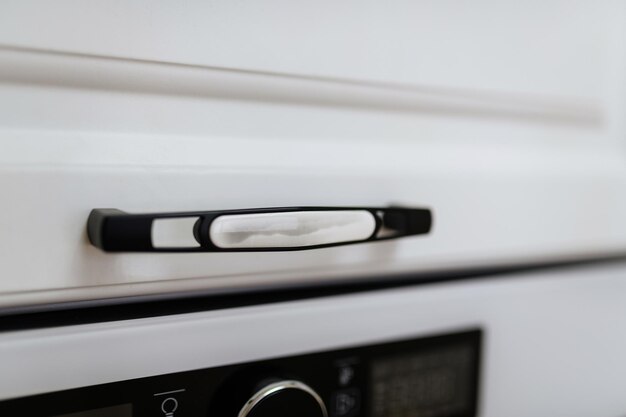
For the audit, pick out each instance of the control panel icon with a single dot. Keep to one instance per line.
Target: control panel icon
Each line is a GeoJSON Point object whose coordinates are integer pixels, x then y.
{"type": "Point", "coordinates": [346, 403]}
{"type": "Point", "coordinates": [169, 406]}
{"type": "Point", "coordinates": [168, 402]}
{"type": "Point", "coordinates": [346, 374]}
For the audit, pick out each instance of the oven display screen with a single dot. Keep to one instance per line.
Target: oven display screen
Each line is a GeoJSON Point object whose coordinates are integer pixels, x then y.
{"type": "Point", "coordinates": [125, 410]}
{"type": "Point", "coordinates": [433, 383]}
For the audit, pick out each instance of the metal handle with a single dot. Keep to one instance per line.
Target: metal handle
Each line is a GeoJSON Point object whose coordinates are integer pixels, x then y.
{"type": "Point", "coordinates": [269, 229]}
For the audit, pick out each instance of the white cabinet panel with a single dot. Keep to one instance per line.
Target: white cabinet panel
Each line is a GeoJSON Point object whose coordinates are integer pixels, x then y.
{"type": "Point", "coordinates": [555, 47]}
{"type": "Point", "coordinates": [530, 175]}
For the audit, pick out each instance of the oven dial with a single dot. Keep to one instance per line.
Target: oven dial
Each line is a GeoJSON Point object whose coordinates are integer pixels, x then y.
{"type": "Point", "coordinates": [286, 398]}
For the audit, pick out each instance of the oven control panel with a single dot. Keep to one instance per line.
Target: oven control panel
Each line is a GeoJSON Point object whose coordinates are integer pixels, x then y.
{"type": "Point", "coordinates": [431, 376]}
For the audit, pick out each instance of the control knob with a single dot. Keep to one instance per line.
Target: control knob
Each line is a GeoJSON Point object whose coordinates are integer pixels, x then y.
{"type": "Point", "coordinates": [286, 398]}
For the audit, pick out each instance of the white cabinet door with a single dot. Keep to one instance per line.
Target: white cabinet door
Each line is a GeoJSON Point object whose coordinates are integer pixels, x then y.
{"type": "Point", "coordinates": [506, 121]}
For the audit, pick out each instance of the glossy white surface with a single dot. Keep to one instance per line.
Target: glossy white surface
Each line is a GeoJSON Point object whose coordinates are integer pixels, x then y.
{"type": "Point", "coordinates": [291, 229]}
{"type": "Point", "coordinates": [554, 341]}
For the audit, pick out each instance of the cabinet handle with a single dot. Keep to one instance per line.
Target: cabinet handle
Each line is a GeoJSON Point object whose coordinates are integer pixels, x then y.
{"type": "Point", "coordinates": [267, 229]}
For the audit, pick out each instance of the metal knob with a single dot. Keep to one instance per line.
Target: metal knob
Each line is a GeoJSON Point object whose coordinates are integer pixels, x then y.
{"type": "Point", "coordinates": [288, 398]}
